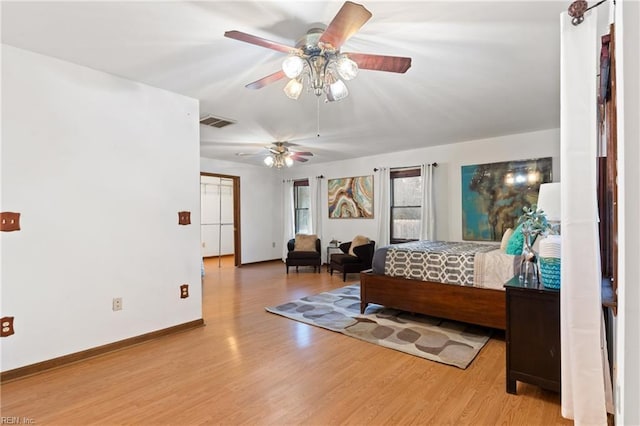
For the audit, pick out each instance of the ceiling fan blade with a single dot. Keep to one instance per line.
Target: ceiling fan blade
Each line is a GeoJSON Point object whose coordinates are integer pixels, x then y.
{"type": "Point", "coordinates": [271, 78]}
{"type": "Point", "coordinates": [305, 153]}
{"type": "Point", "coordinates": [350, 18]}
{"type": "Point", "coordinates": [300, 159]}
{"type": "Point", "coordinates": [259, 41]}
{"type": "Point", "coordinates": [380, 62]}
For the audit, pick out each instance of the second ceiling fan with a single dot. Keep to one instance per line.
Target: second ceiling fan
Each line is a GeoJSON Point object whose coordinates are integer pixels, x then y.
{"type": "Point", "coordinates": [282, 156]}
{"type": "Point", "coordinates": [316, 59]}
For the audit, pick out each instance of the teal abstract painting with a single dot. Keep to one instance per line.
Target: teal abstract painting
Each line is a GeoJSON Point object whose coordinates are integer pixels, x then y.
{"type": "Point", "coordinates": [494, 194]}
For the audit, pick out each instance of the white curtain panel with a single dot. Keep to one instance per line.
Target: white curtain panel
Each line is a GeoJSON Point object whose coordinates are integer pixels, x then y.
{"type": "Point", "coordinates": [289, 227]}
{"type": "Point", "coordinates": [583, 349]}
{"type": "Point", "coordinates": [427, 213]}
{"type": "Point", "coordinates": [383, 195]}
{"type": "Point", "coordinates": [315, 214]}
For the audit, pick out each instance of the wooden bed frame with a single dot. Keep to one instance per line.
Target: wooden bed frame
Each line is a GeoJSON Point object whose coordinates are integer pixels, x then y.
{"type": "Point", "coordinates": [481, 306]}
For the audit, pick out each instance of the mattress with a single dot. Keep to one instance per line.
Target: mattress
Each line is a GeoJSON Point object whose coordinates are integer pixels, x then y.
{"type": "Point", "coordinates": [461, 263]}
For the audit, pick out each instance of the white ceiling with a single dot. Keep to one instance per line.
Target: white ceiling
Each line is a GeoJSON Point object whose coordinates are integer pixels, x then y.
{"type": "Point", "coordinates": [480, 69]}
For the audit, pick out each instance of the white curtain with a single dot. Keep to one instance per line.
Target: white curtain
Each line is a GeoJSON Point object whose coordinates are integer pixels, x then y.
{"type": "Point", "coordinates": [288, 228]}
{"type": "Point", "coordinates": [427, 213]}
{"type": "Point", "coordinates": [383, 206]}
{"type": "Point", "coordinates": [315, 213]}
{"type": "Point", "coordinates": [584, 363]}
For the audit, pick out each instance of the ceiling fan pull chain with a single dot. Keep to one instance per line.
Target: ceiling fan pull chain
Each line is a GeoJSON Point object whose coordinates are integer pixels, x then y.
{"type": "Point", "coordinates": [318, 116]}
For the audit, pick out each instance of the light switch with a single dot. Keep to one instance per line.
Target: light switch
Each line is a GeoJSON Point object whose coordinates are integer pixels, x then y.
{"type": "Point", "coordinates": [184, 218]}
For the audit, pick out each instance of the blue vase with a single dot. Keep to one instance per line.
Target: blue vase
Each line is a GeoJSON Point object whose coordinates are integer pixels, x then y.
{"type": "Point", "coordinates": [550, 272]}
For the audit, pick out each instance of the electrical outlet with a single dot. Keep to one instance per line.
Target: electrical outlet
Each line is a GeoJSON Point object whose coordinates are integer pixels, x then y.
{"type": "Point", "coordinates": [273, 244]}
{"type": "Point", "coordinates": [203, 245]}
{"type": "Point", "coordinates": [184, 218]}
{"type": "Point", "coordinates": [7, 326]}
{"type": "Point", "coordinates": [184, 291]}
{"type": "Point", "coordinates": [117, 304]}
{"type": "Point", "coordinates": [9, 221]}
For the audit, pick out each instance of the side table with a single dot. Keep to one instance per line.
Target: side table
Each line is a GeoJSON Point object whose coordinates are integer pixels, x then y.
{"type": "Point", "coordinates": [532, 335]}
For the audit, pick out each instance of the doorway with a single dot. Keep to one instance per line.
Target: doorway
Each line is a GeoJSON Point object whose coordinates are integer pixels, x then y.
{"type": "Point", "coordinates": [220, 216]}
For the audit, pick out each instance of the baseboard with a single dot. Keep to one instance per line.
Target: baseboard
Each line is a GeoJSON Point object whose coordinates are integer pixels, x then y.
{"type": "Point", "coordinates": [261, 261]}
{"type": "Point", "coordinates": [40, 367]}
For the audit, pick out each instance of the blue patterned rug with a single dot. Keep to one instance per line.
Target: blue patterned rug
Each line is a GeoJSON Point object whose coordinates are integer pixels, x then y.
{"type": "Point", "coordinates": [444, 341]}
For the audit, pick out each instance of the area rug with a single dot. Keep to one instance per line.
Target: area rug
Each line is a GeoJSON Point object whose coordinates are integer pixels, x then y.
{"type": "Point", "coordinates": [444, 341]}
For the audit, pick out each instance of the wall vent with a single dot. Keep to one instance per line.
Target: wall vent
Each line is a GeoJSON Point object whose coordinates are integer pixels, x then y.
{"type": "Point", "coordinates": [210, 120]}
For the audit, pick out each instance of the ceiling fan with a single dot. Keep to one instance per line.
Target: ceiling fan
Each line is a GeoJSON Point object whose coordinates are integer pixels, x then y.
{"type": "Point", "coordinates": [316, 59]}
{"type": "Point", "coordinates": [279, 155]}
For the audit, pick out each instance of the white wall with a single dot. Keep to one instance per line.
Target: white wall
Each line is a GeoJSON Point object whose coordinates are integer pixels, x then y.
{"type": "Point", "coordinates": [448, 195]}
{"type": "Point", "coordinates": [99, 167]}
{"type": "Point", "coordinates": [627, 352]}
{"type": "Point", "coordinates": [261, 187]}
{"type": "Point", "coordinates": [260, 208]}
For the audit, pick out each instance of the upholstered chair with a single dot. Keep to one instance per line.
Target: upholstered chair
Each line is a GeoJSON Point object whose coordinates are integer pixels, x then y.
{"type": "Point", "coordinates": [304, 250]}
{"type": "Point", "coordinates": [353, 260]}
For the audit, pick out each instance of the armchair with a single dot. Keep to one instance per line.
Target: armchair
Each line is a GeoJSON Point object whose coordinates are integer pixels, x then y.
{"type": "Point", "coordinates": [346, 263]}
{"type": "Point", "coordinates": [304, 254]}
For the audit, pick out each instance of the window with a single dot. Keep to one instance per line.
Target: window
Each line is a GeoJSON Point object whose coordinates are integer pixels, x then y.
{"type": "Point", "coordinates": [302, 206]}
{"type": "Point", "coordinates": [406, 202]}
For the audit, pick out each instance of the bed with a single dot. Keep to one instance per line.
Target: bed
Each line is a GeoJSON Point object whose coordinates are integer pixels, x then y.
{"type": "Point", "coordinates": [461, 281]}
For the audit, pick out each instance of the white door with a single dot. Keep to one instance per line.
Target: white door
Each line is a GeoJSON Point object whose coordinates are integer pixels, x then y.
{"type": "Point", "coordinates": [216, 216]}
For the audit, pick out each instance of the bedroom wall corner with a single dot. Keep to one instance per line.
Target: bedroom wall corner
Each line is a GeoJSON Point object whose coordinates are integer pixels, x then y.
{"type": "Point", "coordinates": [260, 207]}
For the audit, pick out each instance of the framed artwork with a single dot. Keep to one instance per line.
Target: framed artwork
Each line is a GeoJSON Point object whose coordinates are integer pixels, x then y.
{"type": "Point", "coordinates": [351, 197]}
{"type": "Point", "coordinates": [494, 194]}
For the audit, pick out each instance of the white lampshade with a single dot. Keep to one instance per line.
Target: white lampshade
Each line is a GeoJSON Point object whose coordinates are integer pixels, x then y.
{"type": "Point", "coordinates": [293, 89]}
{"type": "Point", "coordinates": [337, 91]}
{"type": "Point", "coordinates": [347, 68]}
{"type": "Point", "coordinates": [549, 200]}
{"type": "Point", "coordinates": [292, 66]}
{"type": "Point", "coordinates": [268, 161]}
{"type": "Point", "coordinates": [288, 161]}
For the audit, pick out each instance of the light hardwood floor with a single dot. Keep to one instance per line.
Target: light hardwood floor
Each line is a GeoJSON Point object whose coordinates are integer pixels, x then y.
{"type": "Point", "coordinates": [247, 366]}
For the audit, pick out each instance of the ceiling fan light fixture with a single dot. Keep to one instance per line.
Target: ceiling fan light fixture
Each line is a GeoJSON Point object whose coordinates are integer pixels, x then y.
{"type": "Point", "coordinates": [278, 161]}
{"type": "Point", "coordinates": [347, 68]}
{"type": "Point", "coordinates": [293, 89]}
{"type": "Point", "coordinates": [279, 156]}
{"type": "Point", "coordinates": [293, 66]}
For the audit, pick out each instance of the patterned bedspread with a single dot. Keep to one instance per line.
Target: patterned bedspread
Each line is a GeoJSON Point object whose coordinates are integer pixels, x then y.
{"type": "Point", "coordinates": [462, 263]}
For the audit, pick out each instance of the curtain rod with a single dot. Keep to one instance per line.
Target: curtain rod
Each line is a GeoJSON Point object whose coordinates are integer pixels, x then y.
{"type": "Point", "coordinates": [375, 169]}
{"type": "Point", "coordinates": [293, 180]}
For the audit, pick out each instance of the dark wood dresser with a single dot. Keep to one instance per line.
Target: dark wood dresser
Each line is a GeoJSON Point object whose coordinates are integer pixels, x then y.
{"type": "Point", "coordinates": [532, 335]}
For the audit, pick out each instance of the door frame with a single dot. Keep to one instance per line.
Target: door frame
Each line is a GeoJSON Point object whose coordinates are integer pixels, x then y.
{"type": "Point", "coordinates": [237, 247]}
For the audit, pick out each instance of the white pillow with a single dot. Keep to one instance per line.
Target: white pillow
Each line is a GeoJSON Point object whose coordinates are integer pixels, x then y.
{"type": "Point", "coordinates": [505, 239]}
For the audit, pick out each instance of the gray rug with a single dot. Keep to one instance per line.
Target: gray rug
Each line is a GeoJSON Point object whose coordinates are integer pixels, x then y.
{"type": "Point", "coordinates": [444, 341]}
